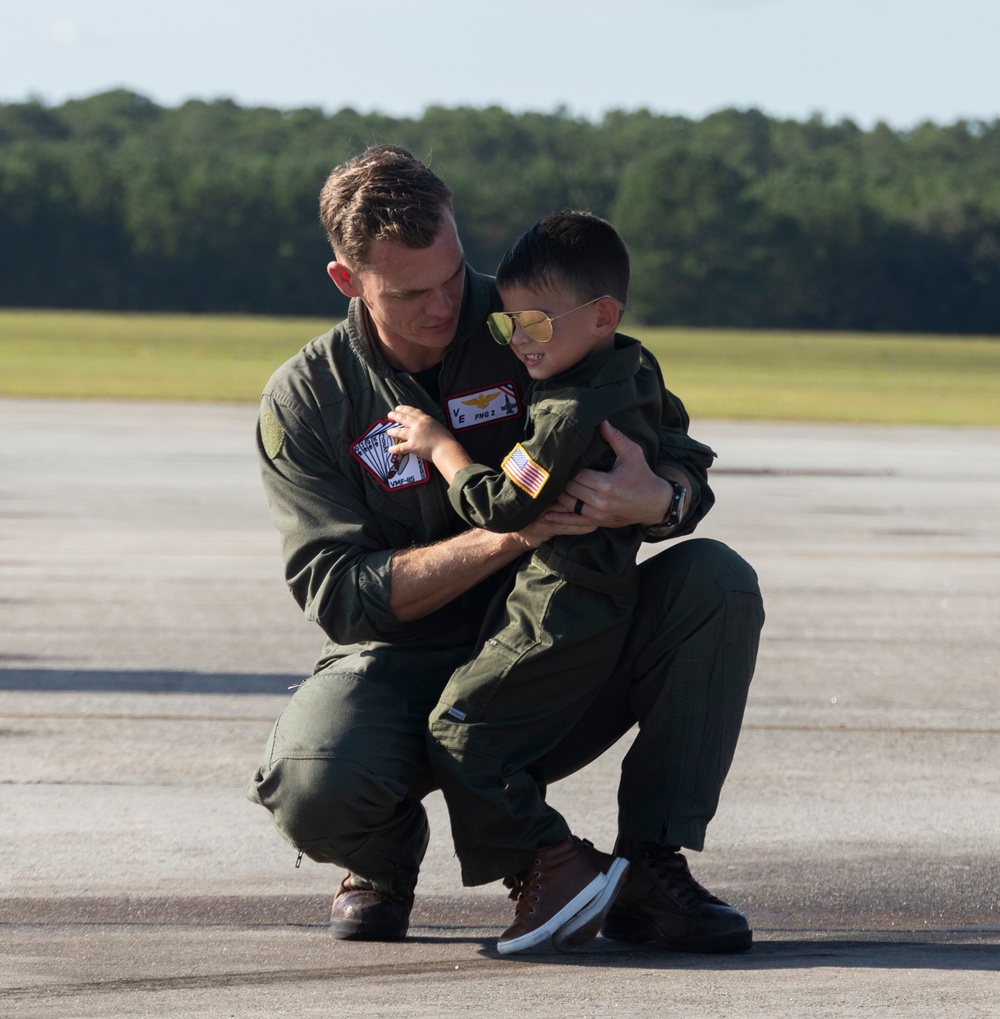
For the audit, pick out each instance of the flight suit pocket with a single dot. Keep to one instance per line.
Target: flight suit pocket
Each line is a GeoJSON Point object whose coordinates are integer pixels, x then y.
{"type": "Point", "coordinates": [472, 686]}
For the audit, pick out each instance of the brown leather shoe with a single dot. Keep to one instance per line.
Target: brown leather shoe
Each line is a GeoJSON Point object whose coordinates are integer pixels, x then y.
{"type": "Point", "coordinates": [360, 913]}
{"type": "Point", "coordinates": [561, 887]}
{"type": "Point", "coordinates": [660, 902]}
{"type": "Point", "coordinates": [577, 933]}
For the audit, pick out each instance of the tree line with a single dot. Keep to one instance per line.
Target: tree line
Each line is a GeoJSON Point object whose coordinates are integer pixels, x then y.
{"type": "Point", "coordinates": [736, 219]}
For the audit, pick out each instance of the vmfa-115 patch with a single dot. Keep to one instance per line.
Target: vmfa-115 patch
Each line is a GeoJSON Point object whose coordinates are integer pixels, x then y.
{"type": "Point", "coordinates": [483, 406]}
{"type": "Point", "coordinates": [391, 470]}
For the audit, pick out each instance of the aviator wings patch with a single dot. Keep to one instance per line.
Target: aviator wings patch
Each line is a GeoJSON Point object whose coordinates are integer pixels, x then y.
{"type": "Point", "coordinates": [482, 406]}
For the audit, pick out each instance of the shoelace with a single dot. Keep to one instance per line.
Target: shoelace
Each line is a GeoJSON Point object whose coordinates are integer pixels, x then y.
{"type": "Point", "coordinates": [672, 869]}
{"type": "Point", "coordinates": [521, 886]}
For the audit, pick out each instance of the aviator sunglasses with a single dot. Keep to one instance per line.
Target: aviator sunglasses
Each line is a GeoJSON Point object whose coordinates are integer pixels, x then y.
{"type": "Point", "coordinates": [536, 325]}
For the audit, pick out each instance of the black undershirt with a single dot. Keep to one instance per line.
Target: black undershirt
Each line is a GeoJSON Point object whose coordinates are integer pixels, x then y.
{"type": "Point", "coordinates": [429, 379]}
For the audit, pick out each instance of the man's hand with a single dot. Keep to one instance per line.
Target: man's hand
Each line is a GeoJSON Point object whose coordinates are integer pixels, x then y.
{"type": "Point", "coordinates": [630, 493]}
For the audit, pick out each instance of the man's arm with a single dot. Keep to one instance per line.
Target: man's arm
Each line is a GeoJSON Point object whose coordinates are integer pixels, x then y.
{"type": "Point", "coordinates": [427, 578]}
{"type": "Point", "coordinates": [353, 570]}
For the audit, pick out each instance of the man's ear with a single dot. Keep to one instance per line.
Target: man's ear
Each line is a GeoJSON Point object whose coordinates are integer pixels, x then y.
{"type": "Point", "coordinates": [608, 315]}
{"type": "Point", "coordinates": [344, 278]}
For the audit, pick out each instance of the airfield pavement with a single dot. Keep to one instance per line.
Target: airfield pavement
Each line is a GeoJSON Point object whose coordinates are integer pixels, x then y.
{"type": "Point", "coordinates": [147, 642]}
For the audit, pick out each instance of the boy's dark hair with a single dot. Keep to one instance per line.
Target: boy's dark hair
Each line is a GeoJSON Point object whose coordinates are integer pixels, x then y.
{"type": "Point", "coordinates": [572, 249]}
{"type": "Point", "coordinates": [386, 193]}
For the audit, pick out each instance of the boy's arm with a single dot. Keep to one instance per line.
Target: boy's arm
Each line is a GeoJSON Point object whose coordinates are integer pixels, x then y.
{"type": "Point", "coordinates": [418, 433]}
{"type": "Point", "coordinates": [531, 477]}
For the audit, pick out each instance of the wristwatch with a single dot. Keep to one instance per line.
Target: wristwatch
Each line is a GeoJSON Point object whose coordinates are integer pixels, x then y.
{"type": "Point", "coordinates": [675, 511]}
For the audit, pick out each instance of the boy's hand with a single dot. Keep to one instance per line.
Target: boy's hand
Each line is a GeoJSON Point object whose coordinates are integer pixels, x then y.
{"type": "Point", "coordinates": [416, 432]}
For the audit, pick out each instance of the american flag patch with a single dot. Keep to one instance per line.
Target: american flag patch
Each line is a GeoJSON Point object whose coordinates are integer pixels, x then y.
{"type": "Point", "coordinates": [524, 472]}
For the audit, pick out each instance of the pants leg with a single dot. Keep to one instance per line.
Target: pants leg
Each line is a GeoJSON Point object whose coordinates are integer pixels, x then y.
{"type": "Point", "coordinates": [552, 647]}
{"type": "Point", "coordinates": [684, 677]}
{"type": "Point", "coordinates": [346, 766]}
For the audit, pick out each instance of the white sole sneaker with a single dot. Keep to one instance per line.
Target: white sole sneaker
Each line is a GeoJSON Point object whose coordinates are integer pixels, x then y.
{"type": "Point", "coordinates": [581, 929]}
{"type": "Point", "coordinates": [579, 902]}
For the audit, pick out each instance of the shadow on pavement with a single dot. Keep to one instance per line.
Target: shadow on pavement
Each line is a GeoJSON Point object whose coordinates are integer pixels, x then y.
{"type": "Point", "coordinates": [888, 953]}
{"type": "Point", "coordinates": [123, 681]}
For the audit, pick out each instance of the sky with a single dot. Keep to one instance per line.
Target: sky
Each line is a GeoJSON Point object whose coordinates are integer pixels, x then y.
{"type": "Point", "coordinates": [899, 61]}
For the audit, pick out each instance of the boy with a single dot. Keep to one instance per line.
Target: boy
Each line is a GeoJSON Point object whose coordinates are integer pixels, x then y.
{"type": "Point", "coordinates": [549, 644]}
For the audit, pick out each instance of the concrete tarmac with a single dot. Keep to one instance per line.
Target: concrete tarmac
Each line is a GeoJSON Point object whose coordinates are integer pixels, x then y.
{"type": "Point", "coordinates": [147, 642]}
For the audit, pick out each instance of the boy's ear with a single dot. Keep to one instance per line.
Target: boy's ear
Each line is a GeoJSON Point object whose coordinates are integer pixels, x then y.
{"type": "Point", "coordinates": [608, 315]}
{"type": "Point", "coordinates": [343, 277]}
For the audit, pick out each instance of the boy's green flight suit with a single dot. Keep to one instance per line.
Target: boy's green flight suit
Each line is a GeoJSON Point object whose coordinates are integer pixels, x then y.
{"type": "Point", "coordinates": [550, 643]}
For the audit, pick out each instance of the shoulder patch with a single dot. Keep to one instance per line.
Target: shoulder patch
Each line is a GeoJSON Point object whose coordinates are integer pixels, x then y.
{"type": "Point", "coordinates": [391, 470]}
{"type": "Point", "coordinates": [524, 472]}
{"type": "Point", "coordinates": [482, 406]}
{"type": "Point", "coordinates": [271, 434]}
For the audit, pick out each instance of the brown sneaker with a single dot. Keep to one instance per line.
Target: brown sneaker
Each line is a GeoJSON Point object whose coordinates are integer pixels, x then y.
{"type": "Point", "coordinates": [581, 930]}
{"type": "Point", "coordinates": [660, 902]}
{"type": "Point", "coordinates": [561, 886]}
{"type": "Point", "coordinates": [360, 913]}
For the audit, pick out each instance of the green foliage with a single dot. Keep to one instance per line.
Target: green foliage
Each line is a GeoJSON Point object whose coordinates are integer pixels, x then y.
{"type": "Point", "coordinates": [694, 235]}
{"type": "Point", "coordinates": [738, 219]}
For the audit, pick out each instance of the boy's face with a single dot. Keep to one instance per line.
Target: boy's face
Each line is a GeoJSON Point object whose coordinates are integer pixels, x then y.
{"type": "Point", "coordinates": [575, 336]}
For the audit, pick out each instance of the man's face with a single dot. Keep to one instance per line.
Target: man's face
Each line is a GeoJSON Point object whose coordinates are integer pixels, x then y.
{"type": "Point", "coordinates": [413, 296]}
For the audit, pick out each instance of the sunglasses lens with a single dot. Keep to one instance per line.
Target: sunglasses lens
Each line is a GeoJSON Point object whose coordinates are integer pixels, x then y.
{"type": "Point", "coordinates": [536, 325]}
{"type": "Point", "coordinates": [501, 327]}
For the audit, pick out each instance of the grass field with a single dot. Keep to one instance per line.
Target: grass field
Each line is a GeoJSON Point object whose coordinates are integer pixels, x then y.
{"type": "Point", "coordinates": [718, 373]}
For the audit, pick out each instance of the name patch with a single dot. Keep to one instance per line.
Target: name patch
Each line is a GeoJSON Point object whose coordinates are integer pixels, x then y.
{"type": "Point", "coordinates": [483, 406]}
{"type": "Point", "coordinates": [391, 470]}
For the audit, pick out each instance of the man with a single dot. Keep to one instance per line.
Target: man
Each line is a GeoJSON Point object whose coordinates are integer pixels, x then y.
{"type": "Point", "coordinates": [375, 555]}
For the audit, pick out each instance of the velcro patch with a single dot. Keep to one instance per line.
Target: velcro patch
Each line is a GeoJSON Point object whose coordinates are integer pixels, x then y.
{"type": "Point", "coordinates": [524, 472]}
{"type": "Point", "coordinates": [483, 406]}
{"type": "Point", "coordinates": [391, 470]}
{"type": "Point", "coordinates": [272, 435]}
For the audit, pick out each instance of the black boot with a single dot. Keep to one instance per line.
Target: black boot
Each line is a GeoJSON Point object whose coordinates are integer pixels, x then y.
{"type": "Point", "coordinates": [660, 902]}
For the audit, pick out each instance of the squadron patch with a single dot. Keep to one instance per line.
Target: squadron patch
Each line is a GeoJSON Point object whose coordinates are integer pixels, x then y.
{"type": "Point", "coordinates": [523, 471]}
{"type": "Point", "coordinates": [483, 406]}
{"type": "Point", "coordinates": [391, 470]}
{"type": "Point", "coordinates": [272, 435]}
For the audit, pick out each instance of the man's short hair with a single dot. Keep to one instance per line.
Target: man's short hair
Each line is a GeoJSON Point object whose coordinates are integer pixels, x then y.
{"type": "Point", "coordinates": [572, 249]}
{"type": "Point", "coordinates": [387, 194]}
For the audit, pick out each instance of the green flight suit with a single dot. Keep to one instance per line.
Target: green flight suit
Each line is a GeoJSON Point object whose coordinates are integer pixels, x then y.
{"type": "Point", "coordinates": [551, 642]}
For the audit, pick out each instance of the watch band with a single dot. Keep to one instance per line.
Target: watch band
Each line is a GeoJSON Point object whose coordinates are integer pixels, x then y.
{"type": "Point", "coordinates": [676, 509]}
